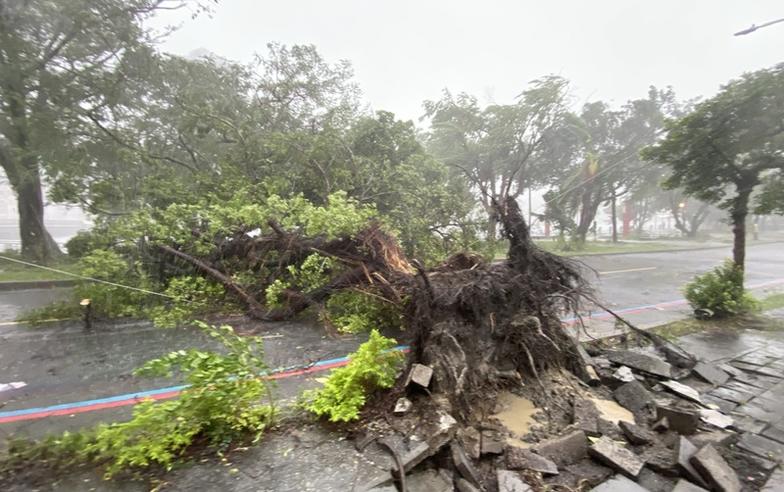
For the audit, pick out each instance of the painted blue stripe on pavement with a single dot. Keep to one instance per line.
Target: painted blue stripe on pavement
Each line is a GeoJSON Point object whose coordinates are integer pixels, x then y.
{"type": "Point", "coordinates": [111, 399]}
{"type": "Point", "coordinates": [149, 393]}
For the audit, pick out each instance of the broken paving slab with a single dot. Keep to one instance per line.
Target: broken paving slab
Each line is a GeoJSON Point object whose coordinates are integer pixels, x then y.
{"type": "Point", "coordinates": [715, 470]}
{"type": "Point", "coordinates": [523, 459]}
{"type": "Point", "coordinates": [641, 362]}
{"type": "Point", "coordinates": [715, 437]}
{"type": "Point", "coordinates": [430, 481]}
{"type": "Point", "coordinates": [682, 390]}
{"type": "Point", "coordinates": [402, 406]}
{"type": "Point", "coordinates": [655, 482]}
{"type": "Point", "coordinates": [681, 420]}
{"type": "Point", "coordinates": [661, 425]}
{"type": "Point", "coordinates": [586, 471]}
{"type": "Point", "coordinates": [564, 450]}
{"type": "Point", "coordinates": [464, 465]}
{"type": "Point", "coordinates": [471, 440]}
{"type": "Point", "coordinates": [586, 416]}
{"type": "Point", "coordinates": [618, 483]}
{"type": "Point", "coordinates": [685, 450]}
{"type": "Point", "coordinates": [686, 486]}
{"type": "Point", "coordinates": [617, 457]}
{"type": "Point", "coordinates": [636, 434]}
{"type": "Point", "coordinates": [634, 397]}
{"type": "Point", "coordinates": [731, 370]}
{"type": "Point", "coordinates": [420, 374]}
{"type": "Point", "coordinates": [716, 418]}
{"type": "Point", "coordinates": [660, 458]}
{"type": "Point", "coordinates": [509, 481]}
{"type": "Point", "coordinates": [711, 373]}
{"type": "Point", "coordinates": [492, 442]}
{"type": "Point", "coordinates": [414, 455]}
{"type": "Point", "coordinates": [624, 374]}
{"type": "Point", "coordinates": [761, 446]}
{"type": "Point", "coordinates": [463, 485]}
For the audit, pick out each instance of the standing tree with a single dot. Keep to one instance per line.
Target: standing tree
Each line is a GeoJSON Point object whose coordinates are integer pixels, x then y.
{"type": "Point", "coordinates": [727, 146]}
{"type": "Point", "coordinates": [498, 148]}
{"type": "Point", "coordinates": [58, 59]}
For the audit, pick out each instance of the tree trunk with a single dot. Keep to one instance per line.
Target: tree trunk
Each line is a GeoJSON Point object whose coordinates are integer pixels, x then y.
{"type": "Point", "coordinates": [37, 243]}
{"type": "Point", "coordinates": [614, 214]}
{"type": "Point", "coordinates": [738, 213]}
{"type": "Point", "coordinates": [22, 167]}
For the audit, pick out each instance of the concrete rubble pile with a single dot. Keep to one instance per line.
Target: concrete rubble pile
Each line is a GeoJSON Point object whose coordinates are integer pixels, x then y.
{"type": "Point", "coordinates": [672, 436]}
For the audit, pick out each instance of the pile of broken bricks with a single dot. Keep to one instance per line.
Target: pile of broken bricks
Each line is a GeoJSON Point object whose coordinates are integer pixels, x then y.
{"type": "Point", "coordinates": [678, 440]}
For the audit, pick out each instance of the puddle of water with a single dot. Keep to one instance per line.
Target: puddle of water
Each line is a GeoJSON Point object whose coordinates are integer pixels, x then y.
{"type": "Point", "coordinates": [609, 410]}
{"type": "Point", "coordinates": [517, 415]}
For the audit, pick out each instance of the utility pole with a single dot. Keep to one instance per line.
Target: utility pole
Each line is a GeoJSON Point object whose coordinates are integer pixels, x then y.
{"type": "Point", "coordinates": [754, 28]}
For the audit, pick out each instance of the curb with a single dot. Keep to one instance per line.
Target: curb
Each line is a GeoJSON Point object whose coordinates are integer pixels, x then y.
{"type": "Point", "coordinates": [672, 250]}
{"type": "Point", "coordinates": [35, 284]}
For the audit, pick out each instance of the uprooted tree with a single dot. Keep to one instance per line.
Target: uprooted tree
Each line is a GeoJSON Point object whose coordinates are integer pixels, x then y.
{"type": "Point", "coordinates": [475, 323]}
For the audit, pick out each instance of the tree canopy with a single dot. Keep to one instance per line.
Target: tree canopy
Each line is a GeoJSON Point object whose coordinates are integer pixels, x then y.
{"type": "Point", "coordinates": [729, 145]}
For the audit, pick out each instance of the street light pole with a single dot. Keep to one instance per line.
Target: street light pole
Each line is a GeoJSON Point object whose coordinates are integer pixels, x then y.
{"type": "Point", "coordinates": [754, 28]}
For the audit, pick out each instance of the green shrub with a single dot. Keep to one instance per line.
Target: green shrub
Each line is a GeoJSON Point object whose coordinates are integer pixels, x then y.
{"type": "Point", "coordinates": [226, 401]}
{"type": "Point", "coordinates": [721, 291]}
{"type": "Point", "coordinates": [374, 365]}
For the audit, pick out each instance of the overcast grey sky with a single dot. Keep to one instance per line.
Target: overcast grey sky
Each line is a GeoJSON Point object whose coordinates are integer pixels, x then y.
{"type": "Point", "coordinates": [406, 51]}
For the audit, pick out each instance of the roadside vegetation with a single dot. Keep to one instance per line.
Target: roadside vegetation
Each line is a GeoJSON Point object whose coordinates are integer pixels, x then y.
{"type": "Point", "coordinates": [226, 401]}
{"type": "Point", "coordinates": [372, 367]}
{"type": "Point", "coordinates": [719, 293]}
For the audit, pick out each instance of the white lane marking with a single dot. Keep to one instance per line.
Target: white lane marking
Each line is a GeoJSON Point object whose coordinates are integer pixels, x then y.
{"type": "Point", "coordinates": [13, 385]}
{"type": "Point", "coordinates": [645, 269]}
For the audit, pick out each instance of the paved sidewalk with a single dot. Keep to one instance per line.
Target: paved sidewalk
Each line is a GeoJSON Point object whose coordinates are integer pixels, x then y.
{"type": "Point", "coordinates": [754, 396]}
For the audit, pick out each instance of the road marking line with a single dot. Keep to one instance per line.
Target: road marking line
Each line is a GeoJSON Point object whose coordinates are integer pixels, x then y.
{"type": "Point", "coordinates": [643, 269]}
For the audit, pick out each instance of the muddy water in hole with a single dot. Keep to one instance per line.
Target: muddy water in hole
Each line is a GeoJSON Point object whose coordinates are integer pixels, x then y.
{"type": "Point", "coordinates": [517, 415]}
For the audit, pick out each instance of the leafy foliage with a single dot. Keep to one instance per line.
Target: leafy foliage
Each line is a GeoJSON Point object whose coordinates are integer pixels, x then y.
{"type": "Point", "coordinates": [374, 365]}
{"type": "Point", "coordinates": [223, 403]}
{"type": "Point", "coordinates": [360, 312]}
{"type": "Point", "coordinates": [498, 148]}
{"type": "Point", "coordinates": [729, 146]}
{"type": "Point", "coordinates": [720, 290]}
{"type": "Point", "coordinates": [190, 296]}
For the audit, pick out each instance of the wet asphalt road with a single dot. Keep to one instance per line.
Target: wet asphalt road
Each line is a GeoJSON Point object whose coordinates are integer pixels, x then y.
{"type": "Point", "coordinates": [63, 364]}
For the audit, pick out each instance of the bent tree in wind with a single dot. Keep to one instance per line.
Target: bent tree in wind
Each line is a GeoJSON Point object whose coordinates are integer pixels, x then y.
{"type": "Point", "coordinates": [729, 147]}
{"type": "Point", "coordinates": [61, 62]}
